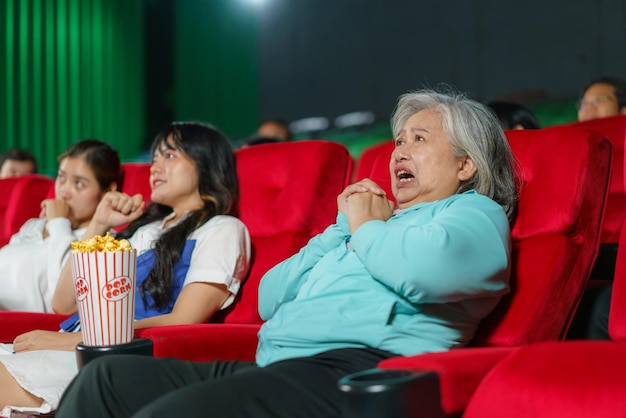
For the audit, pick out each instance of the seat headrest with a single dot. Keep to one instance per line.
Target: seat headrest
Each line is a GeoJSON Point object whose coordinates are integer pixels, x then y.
{"type": "Point", "coordinates": [281, 185]}
{"type": "Point", "coordinates": [557, 165]}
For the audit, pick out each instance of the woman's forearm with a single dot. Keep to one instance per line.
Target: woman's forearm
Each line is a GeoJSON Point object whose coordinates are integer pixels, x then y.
{"type": "Point", "coordinates": [64, 299]}
{"type": "Point", "coordinates": [46, 340]}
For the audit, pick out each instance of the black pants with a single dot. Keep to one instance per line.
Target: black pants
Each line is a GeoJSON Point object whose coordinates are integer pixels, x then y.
{"type": "Point", "coordinates": [137, 386]}
{"type": "Point", "coordinates": [599, 322]}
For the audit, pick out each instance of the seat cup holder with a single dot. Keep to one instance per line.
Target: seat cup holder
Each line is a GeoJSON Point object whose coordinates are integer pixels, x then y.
{"type": "Point", "coordinates": [390, 393]}
{"type": "Point", "coordinates": [86, 353]}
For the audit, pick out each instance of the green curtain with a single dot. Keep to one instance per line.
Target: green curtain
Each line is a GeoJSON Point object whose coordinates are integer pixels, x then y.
{"type": "Point", "coordinates": [72, 69]}
{"type": "Point", "coordinates": [215, 64]}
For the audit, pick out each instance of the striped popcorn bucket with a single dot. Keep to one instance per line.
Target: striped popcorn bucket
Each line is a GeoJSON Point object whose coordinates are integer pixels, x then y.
{"type": "Point", "coordinates": [105, 295]}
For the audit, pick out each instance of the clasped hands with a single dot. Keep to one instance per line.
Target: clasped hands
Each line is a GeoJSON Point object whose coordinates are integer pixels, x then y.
{"type": "Point", "coordinates": [364, 201]}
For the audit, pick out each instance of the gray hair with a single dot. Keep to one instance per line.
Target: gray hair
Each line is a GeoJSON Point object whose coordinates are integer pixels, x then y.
{"type": "Point", "coordinates": [474, 131]}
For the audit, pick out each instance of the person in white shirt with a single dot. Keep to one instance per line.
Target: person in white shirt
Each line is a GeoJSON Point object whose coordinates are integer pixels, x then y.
{"type": "Point", "coordinates": [32, 260]}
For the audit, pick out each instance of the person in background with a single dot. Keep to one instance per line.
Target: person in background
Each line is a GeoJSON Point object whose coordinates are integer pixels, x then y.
{"type": "Point", "coordinates": [192, 257]}
{"type": "Point", "coordinates": [274, 128]}
{"type": "Point", "coordinates": [269, 131]}
{"type": "Point", "coordinates": [514, 115]}
{"type": "Point", "coordinates": [33, 259]}
{"type": "Point", "coordinates": [378, 283]}
{"type": "Point", "coordinates": [17, 162]}
{"type": "Point", "coordinates": [602, 97]}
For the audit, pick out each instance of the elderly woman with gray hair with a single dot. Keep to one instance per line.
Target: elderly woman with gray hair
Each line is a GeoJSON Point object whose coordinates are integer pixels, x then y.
{"type": "Point", "coordinates": [382, 281]}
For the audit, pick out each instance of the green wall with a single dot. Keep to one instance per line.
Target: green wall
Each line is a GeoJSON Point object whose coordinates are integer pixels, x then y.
{"type": "Point", "coordinates": [72, 69]}
{"type": "Point", "coordinates": [81, 68]}
{"type": "Point", "coordinates": [215, 64]}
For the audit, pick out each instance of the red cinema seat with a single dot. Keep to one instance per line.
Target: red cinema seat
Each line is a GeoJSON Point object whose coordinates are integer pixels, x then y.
{"type": "Point", "coordinates": [21, 200]}
{"type": "Point", "coordinates": [614, 128]}
{"type": "Point", "coordinates": [549, 379]}
{"type": "Point", "coordinates": [565, 173]}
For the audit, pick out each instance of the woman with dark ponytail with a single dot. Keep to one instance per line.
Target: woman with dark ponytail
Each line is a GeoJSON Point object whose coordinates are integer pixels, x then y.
{"type": "Point", "coordinates": [193, 254]}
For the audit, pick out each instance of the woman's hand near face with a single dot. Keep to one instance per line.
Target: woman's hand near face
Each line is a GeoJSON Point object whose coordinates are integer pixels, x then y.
{"type": "Point", "coordinates": [46, 340]}
{"type": "Point", "coordinates": [367, 206]}
{"type": "Point", "coordinates": [54, 208]}
{"type": "Point", "coordinates": [365, 185]}
{"type": "Point", "coordinates": [114, 209]}
{"type": "Point", "coordinates": [117, 209]}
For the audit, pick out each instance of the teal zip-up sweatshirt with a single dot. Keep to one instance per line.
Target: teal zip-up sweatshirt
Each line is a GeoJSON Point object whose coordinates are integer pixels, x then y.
{"type": "Point", "coordinates": [419, 282]}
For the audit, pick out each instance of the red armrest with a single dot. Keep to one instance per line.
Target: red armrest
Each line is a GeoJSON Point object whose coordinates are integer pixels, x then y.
{"type": "Point", "coordinates": [204, 342]}
{"type": "Point", "coordinates": [13, 324]}
{"type": "Point", "coordinates": [460, 371]}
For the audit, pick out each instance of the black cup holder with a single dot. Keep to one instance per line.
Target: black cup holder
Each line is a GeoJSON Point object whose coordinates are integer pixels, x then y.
{"type": "Point", "coordinates": [86, 353]}
{"type": "Point", "coordinates": [377, 393]}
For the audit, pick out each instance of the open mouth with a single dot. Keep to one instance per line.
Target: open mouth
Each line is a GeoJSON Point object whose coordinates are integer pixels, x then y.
{"type": "Point", "coordinates": [404, 176]}
{"type": "Point", "coordinates": [157, 183]}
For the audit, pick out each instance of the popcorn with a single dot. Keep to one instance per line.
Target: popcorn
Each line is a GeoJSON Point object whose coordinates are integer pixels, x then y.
{"type": "Point", "coordinates": [104, 272]}
{"type": "Point", "coordinates": [100, 244]}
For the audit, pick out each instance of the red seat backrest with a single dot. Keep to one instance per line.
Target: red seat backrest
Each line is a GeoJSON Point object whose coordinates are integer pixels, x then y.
{"type": "Point", "coordinates": [556, 235]}
{"type": "Point", "coordinates": [21, 200]}
{"type": "Point", "coordinates": [614, 128]}
{"type": "Point", "coordinates": [136, 179]}
{"type": "Point", "coordinates": [365, 162]}
{"type": "Point", "coordinates": [380, 170]}
{"type": "Point", "coordinates": [288, 194]}
{"type": "Point", "coordinates": [594, 388]}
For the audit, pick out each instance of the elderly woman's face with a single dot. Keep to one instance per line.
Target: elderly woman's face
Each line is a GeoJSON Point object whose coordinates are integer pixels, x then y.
{"type": "Point", "coordinates": [423, 167]}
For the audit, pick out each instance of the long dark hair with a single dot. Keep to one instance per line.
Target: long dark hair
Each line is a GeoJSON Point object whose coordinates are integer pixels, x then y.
{"type": "Point", "coordinates": [217, 183]}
